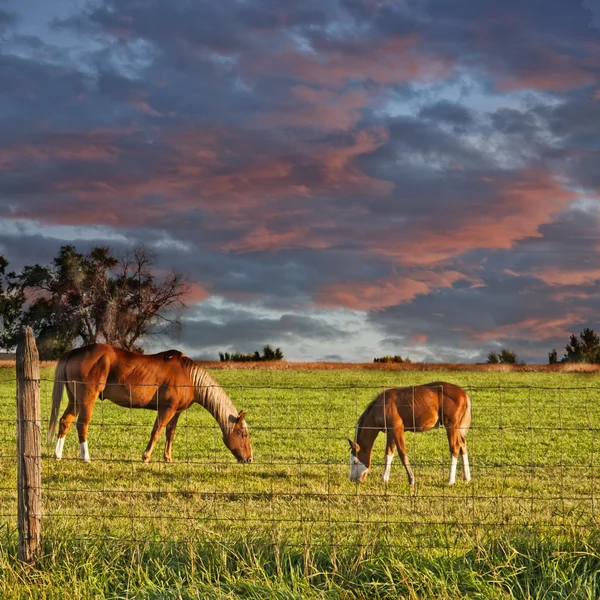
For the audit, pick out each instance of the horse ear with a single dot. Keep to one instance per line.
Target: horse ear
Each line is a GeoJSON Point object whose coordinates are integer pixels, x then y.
{"type": "Point", "coordinates": [353, 445]}
{"type": "Point", "coordinates": [241, 416]}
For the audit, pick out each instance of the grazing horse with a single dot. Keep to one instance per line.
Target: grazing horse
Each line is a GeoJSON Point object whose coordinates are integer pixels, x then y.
{"type": "Point", "coordinates": [167, 382]}
{"type": "Point", "coordinates": [415, 408]}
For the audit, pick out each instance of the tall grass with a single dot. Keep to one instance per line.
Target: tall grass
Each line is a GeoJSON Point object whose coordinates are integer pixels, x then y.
{"type": "Point", "coordinates": [518, 567]}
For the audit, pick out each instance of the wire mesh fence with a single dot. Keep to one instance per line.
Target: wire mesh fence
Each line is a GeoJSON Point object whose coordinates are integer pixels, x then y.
{"type": "Point", "coordinates": [532, 452]}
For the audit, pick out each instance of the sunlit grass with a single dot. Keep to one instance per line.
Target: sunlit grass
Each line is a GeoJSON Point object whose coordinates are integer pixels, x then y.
{"type": "Point", "coordinates": [291, 524]}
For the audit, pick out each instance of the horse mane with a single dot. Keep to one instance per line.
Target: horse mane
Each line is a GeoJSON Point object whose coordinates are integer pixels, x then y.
{"type": "Point", "coordinates": [211, 395]}
{"type": "Point", "coordinates": [364, 414]}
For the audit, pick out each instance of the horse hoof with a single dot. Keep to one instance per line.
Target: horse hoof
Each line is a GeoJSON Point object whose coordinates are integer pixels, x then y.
{"type": "Point", "coordinates": [145, 459]}
{"type": "Point", "coordinates": [168, 460]}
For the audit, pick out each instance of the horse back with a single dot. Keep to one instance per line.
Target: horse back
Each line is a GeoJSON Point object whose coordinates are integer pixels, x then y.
{"type": "Point", "coordinates": [423, 407]}
{"type": "Point", "coordinates": [130, 378]}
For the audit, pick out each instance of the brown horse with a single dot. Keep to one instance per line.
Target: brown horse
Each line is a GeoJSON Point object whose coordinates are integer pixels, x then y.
{"type": "Point", "coordinates": [167, 382]}
{"type": "Point", "coordinates": [415, 408]}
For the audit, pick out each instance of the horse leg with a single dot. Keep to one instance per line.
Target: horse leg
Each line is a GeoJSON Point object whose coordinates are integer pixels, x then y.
{"type": "Point", "coordinates": [398, 434]}
{"type": "Point", "coordinates": [170, 433]}
{"type": "Point", "coordinates": [457, 444]}
{"type": "Point", "coordinates": [390, 448]}
{"type": "Point", "coordinates": [465, 458]}
{"type": "Point", "coordinates": [163, 416]}
{"type": "Point", "coordinates": [86, 411]}
{"type": "Point", "coordinates": [65, 422]}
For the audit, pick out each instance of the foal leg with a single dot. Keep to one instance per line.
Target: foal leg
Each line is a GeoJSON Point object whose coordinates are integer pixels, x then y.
{"type": "Point", "coordinates": [457, 446]}
{"type": "Point", "coordinates": [390, 448]}
{"type": "Point", "coordinates": [398, 433]}
{"type": "Point", "coordinates": [465, 458]}
{"type": "Point", "coordinates": [162, 418]}
{"type": "Point", "coordinates": [170, 435]}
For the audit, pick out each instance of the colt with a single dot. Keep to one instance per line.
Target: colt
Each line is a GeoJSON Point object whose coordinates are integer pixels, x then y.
{"type": "Point", "coordinates": [416, 408]}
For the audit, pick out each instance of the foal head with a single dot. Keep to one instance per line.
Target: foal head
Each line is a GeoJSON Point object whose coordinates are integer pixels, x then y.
{"type": "Point", "coordinates": [238, 440]}
{"type": "Point", "coordinates": [358, 469]}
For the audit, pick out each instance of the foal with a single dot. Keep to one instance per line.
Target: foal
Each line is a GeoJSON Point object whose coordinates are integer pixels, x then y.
{"type": "Point", "coordinates": [415, 408]}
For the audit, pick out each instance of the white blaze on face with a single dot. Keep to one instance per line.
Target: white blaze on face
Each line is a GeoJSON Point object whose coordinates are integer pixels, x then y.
{"type": "Point", "coordinates": [357, 469]}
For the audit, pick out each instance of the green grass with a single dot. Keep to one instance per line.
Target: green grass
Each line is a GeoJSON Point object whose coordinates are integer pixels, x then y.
{"type": "Point", "coordinates": [291, 525]}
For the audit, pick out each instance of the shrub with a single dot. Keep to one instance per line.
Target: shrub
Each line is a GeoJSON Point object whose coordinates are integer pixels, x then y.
{"type": "Point", "coordinates": [268, 354]}
{"type": "Point", "coordinates": [392, 359]}
{"type": "Point", "coordinates": [504, 356]}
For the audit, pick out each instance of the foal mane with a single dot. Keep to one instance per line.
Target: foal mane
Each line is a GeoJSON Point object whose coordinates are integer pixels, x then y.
{"type": "Point", "coordinates": [364, 415]}
{"type": "Point", "coordinates": [211, 395]}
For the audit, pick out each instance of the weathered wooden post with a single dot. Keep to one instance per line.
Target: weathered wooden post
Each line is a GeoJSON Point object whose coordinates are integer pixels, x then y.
{"type": "Point", "coordinates": [29, 448]}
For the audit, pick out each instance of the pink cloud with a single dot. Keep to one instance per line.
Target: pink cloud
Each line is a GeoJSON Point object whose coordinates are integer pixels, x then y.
{"type": "Point", "coordinates": [555, 276]}
{"type": "Point", "coordinates": [369, 295]}
{"type": "Point", "coordinates": [534, 329]}
{"type": "Point", "coordinates": [385, 61]}
{"type": "Point", "coordinates": [318, 108]}
{"type": "Point", "coordinates": [197, 292]}
{"type": "Point", "coordinates": [515, 209]}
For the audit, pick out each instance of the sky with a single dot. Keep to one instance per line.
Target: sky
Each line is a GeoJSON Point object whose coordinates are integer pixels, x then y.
{"type": "Point", "coordinates": [343, 179]}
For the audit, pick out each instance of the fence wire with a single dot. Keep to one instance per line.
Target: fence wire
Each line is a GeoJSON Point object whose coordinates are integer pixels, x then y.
{"type": "Point", "coordinates": [532, 453]}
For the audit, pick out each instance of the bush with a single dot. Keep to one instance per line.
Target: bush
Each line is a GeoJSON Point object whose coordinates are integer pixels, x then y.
{"type": "Point", "coordinates": [392, 359]}
{"type": "Point", "coordinates": [504, 356]}
{"type": "Point", "coordinates": [268, 354]}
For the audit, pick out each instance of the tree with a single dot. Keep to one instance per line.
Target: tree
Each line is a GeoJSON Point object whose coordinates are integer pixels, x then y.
{"type": "Point", "coordinates": [97, 297]}
{"type": "Point", "coordinates": [12, 299]}
{"type": "Point", "coordinates": [504, 356]}
{"type": "Point", "coordinates": [584, 349]}
{"type": "Point", "coordinates": [553, 357]}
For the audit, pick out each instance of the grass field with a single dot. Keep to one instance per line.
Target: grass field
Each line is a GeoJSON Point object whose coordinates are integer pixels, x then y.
{"type": "Point", "coordinates": [291, 524]}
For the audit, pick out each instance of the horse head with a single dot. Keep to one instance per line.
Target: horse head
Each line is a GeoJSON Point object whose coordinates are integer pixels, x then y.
{"type": "Point", "coordinates": [237, 439]}
{"type": "Point", "coordinates": [358, 469]}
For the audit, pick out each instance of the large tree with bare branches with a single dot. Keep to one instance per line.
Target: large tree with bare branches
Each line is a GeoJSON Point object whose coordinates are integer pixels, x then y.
{"type": "Point", "coordinates": [100, 297]}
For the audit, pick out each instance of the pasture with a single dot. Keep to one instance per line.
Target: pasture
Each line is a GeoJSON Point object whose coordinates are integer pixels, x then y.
{"type": "Point", "coordinates": [291, 524]}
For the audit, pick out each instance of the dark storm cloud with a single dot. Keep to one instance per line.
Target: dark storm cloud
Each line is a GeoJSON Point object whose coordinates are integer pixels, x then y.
{"type": "Point", "coordinates": [447, 112]}
{"type": "Point", "coordinates": [245, 331]}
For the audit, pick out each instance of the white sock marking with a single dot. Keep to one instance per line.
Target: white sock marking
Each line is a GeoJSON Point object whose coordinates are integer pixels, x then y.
{"type": "Point", "coordinates": [453, 464]}
{"type": "Point", "coordinates": [388, 467]}
{"type": "Point", "coordinates": [466, 469]}
{"type": "Point", "coordinates": [58, 450]}
{"type": "Point", "coordinates": [357, 468]}
{"type": "Point", "coordinates": [85, 455]}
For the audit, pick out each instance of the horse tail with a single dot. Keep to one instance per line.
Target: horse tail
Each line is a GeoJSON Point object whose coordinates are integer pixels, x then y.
{"type": "Point", "coordinates": [465, 422]}
{"type": "Point", "coordinates": [60, 378]}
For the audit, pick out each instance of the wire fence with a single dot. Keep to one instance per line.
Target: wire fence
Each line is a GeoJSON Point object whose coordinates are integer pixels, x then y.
{"type": "Point", "coordinates": [532, 452]}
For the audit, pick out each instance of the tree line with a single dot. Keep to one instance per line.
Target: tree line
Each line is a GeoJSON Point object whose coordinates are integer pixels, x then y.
{"type": "Point", "coordinates": [584, 348]}
{"type": "Point", "coordinates": [267, 354]}
{"type": "Point", "coordinates": [90, 297]}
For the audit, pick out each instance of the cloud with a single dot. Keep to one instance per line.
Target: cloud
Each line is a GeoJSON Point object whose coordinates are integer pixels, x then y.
{"type": "Point", "coordinates": [427, 169]}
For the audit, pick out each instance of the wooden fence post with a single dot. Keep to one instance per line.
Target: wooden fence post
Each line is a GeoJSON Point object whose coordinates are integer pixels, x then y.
{"type": "Point", "coordinates": [29, 448]}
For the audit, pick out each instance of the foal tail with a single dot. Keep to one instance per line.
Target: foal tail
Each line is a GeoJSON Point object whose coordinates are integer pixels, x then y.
{"type": "Point", "coordinates": [465, 422]}
{"type": "Point", "coordinates": [60, 378]}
